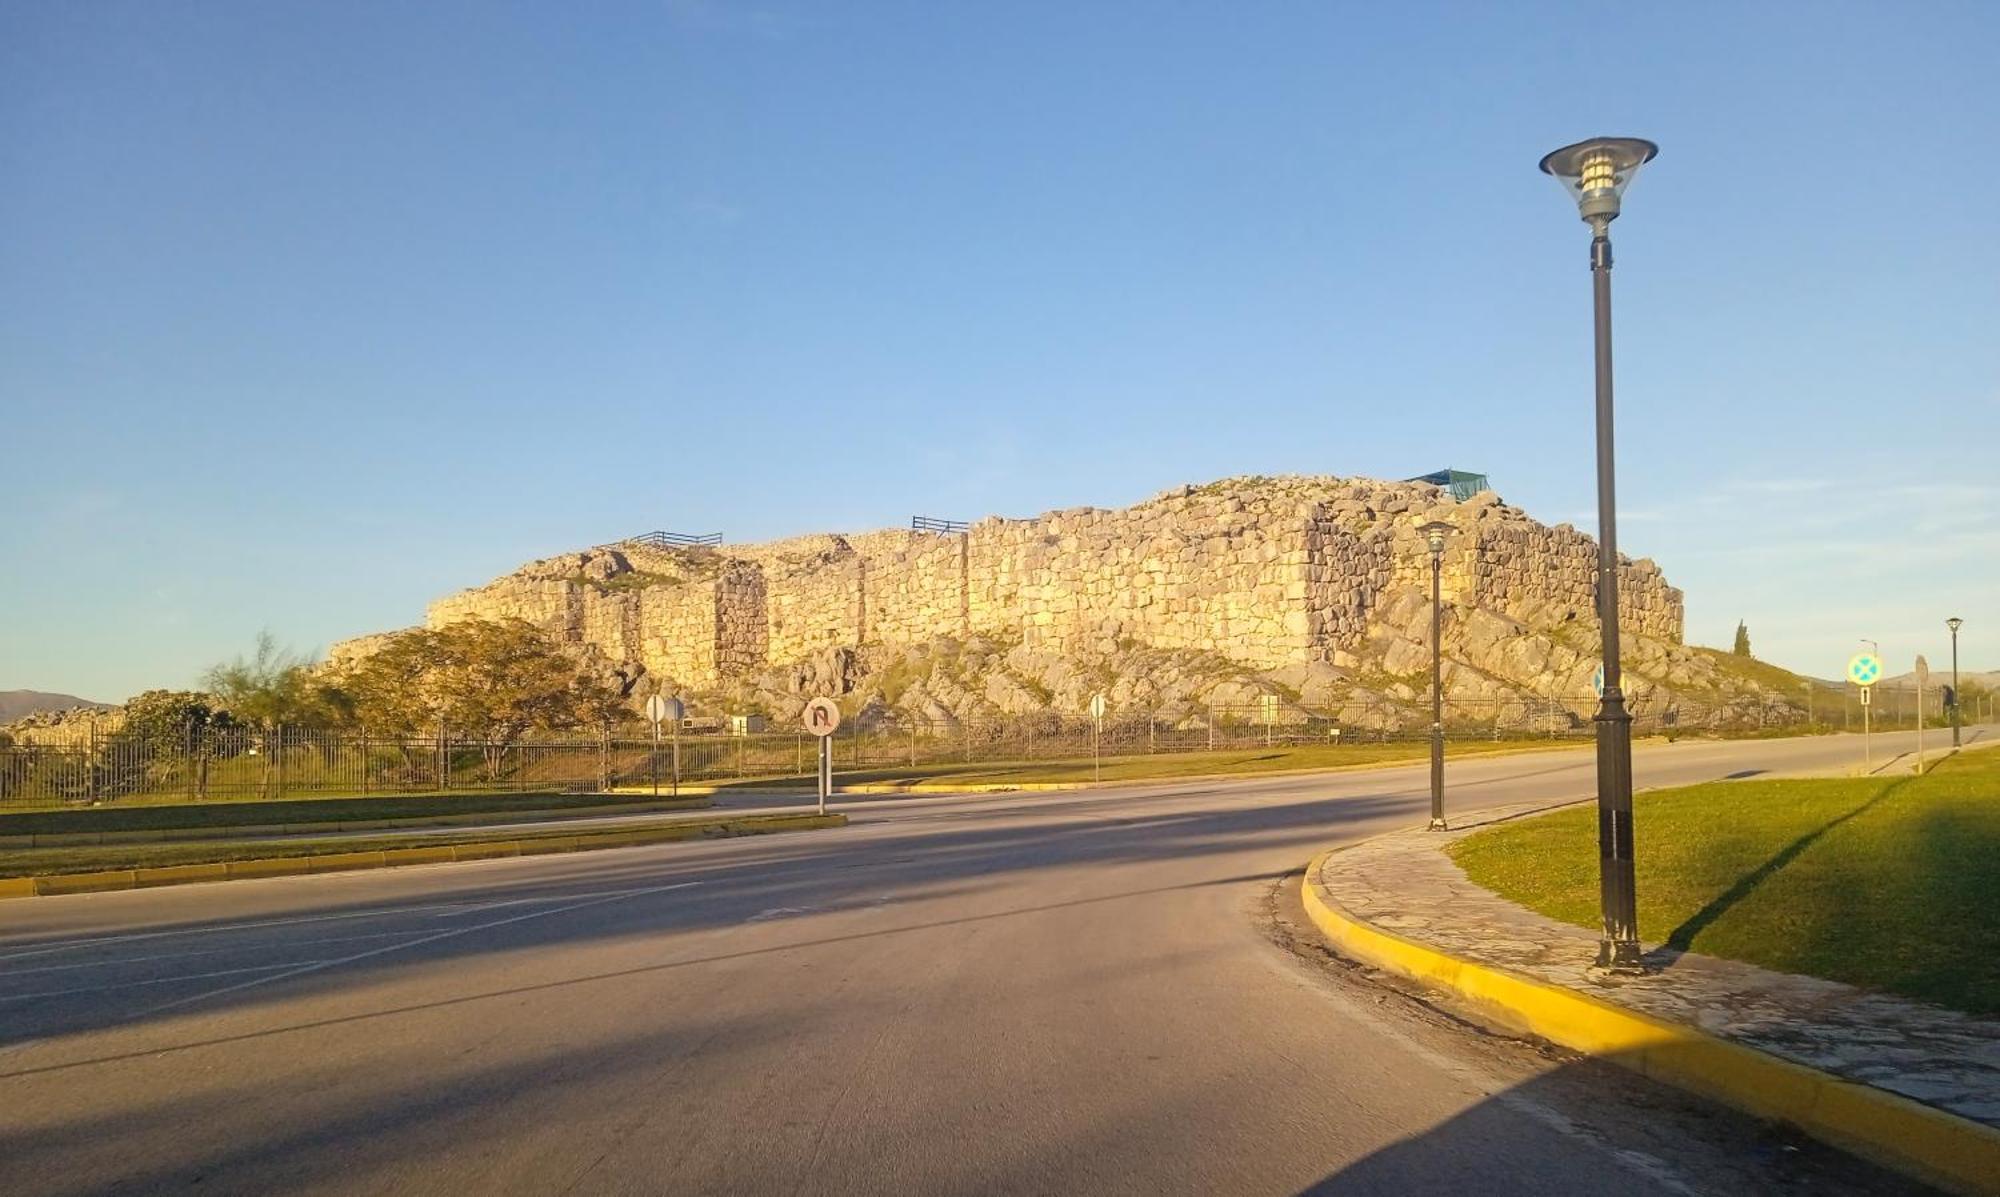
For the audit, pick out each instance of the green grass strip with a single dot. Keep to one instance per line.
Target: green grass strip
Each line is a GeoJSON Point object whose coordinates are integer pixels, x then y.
{"type": "Point", "coordinates": [1892, 883]}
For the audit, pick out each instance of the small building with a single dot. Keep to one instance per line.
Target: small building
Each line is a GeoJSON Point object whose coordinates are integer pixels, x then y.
{"type": "Point", "coordinates": [745, 725]}
{"type": "Point", "coordinates": [1463, 484]}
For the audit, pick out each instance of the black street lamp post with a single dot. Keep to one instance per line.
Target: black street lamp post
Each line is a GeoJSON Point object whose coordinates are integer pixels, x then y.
{"type": "Point", "coordinates": [1434, 534]}
{"type": "Point", "coordinates": [1596, 173]}
{"type": "Point", "coordinates": [1954, 623]}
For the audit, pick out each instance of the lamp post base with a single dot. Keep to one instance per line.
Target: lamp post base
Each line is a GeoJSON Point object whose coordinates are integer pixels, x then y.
{"type": "Point", "coordinates": [1619, 958]}
{"type": "Point", "coordinates": [1439, 825]}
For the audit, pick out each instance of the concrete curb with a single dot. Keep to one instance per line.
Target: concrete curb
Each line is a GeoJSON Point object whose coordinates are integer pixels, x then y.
{"type": "Point", "coordinates": [1005, 787]}
{"type": "Point", "coordinates": [336, 862]}
{"type": "Point", "coordinates": [183, 835]}
{"type": "Point", "coordinates": [1902, 1134]}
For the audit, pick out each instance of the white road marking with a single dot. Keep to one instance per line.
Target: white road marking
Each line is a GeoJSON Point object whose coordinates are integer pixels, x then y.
{"type": "Point", "coordinates": [778, 912]}
{"type": "Point", "coordinates": [224, 972]}
{"type": "Point", "coordinates": [315, 966]}
{"type": "Point", "coordinates": [93, 941]}
{"type": "Point", "coordinates": [114, 961]}
{"type": "Point", "coordinates": [446, 909]}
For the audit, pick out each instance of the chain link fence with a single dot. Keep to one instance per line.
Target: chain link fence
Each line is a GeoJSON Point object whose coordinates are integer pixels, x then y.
{"type": "Point", "coordinates": [89, 767]}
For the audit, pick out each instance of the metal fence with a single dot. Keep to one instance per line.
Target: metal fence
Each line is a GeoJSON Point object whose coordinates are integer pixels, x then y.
{"type": "Point", "coordinates": [88, 767]}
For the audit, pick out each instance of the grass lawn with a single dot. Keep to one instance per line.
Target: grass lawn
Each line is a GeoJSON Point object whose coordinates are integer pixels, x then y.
{"type": "Point", "coordinates": [1167, 765]}
{"type": "Point", "coordinates": [1889, 883]}
{"type": "Point", "coordinates": [37, 862]}
{"type": "Point", "coordinates": [304, 810]}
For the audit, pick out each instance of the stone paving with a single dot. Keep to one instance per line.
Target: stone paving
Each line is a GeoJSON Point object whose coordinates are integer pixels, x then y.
{"type": "Point", "coordinates": [1403, 882]}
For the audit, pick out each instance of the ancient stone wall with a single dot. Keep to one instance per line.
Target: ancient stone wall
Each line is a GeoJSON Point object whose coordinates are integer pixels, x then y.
{"type": "Point", "coordinates": [1267, 572]}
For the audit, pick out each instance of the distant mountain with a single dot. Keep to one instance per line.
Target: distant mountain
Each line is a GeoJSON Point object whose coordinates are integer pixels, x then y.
{"type": "Point", "coordinates": [15, 704]}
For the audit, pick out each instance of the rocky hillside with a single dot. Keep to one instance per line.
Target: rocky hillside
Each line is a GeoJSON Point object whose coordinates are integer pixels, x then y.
{"type": "Point", "coordinates": [17, 704]}
{"type": "Point", "coordinates": [1312, 590]}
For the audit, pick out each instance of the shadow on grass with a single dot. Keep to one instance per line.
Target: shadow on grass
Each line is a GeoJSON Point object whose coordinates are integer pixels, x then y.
{"type": "Point", "coordinates": [1681, 939]}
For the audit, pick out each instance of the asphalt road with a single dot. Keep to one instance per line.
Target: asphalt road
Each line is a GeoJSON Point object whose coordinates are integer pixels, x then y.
{"type": "Point", "coordinates": [1050, 993]}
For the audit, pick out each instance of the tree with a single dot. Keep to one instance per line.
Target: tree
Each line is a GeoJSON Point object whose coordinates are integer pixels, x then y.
{"type": "Point", "coordinates": [1742, 648]}
{"type": "Point", "coordinates": [490, 680]}
{"type": "Point", "coordinates": [163, 727]}
{"type": "Point", "coordinates": [275, 687]}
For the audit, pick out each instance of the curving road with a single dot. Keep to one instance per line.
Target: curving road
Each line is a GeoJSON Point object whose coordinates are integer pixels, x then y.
{"type": "Point", "coordinates": [1058, 993]}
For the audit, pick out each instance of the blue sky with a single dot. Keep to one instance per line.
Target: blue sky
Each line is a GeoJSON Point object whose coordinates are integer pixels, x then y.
{"type": "Point", "coordinates": [311, 313]}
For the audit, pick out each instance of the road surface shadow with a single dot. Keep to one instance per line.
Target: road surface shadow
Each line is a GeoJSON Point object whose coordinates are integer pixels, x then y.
{"type": "Point", "coordinates": [1627, 1140]}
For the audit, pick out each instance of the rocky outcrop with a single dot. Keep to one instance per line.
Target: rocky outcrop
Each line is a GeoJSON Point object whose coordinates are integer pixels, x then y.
{"type": "Point", "coordinates": [1312, 587]}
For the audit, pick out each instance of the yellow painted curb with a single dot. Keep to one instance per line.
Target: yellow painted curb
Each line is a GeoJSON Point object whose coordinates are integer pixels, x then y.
{"type": "Point", "coordinates": [86, 839]}
{"type": "Point", "coordinates": [487, 850]}
{"type": "Point", "coordinates": [180, 874]}
{"type": "Point", "coordinates": [273, 866]}
{"type": "Point", "coordinates": [1893, 1130]}
{"type": "Point", "coordinates": [340, 862]}
{"type": "Point", "coordinates": [442, 854]}
{"type": "Point", "coordinates": [334, 862]}
{"type": "Point", "coordinates": [85, 883]}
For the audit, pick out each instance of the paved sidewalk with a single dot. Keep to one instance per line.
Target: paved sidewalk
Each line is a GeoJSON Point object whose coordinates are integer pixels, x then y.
{"type": "Point", "coordinates": [1404, 883]}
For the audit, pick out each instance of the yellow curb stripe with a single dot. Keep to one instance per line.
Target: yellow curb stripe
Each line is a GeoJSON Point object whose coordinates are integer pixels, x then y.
{"type": "Point", "coordinates": [180, 874]}
{"type": "Point", "coordinates": [1891, 1129]}
{"type": "Point", "coordinates": [333, 862]}
{"type": "Point", "coordinates": [86, 839]}
{"type": "Point", "coordinates": [85, 883]}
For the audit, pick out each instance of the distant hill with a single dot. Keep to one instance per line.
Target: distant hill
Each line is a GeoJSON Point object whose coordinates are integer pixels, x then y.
{"type": "Point", "coordinates": [14, 704]}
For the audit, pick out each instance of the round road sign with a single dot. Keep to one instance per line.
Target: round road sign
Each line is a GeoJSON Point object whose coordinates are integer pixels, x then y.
{"type": "Point", "coordinates": [661, 709]}
{"type": "Point", "coordinates": [821, 716]}
{"type": "Point", "coordinates": [1864, 670]}
{"type": "Point", "coordinates": [1097, 706]}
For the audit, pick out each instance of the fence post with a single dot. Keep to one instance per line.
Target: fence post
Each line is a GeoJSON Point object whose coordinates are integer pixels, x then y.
{"type": "Point", "coordinates": [741, 741]}
{"type": "Point", "coordinates": [278, 765]}
{"type": "Point", "coordinates": [364, 763]}
{"type": "Point", "coordinates": [188, 761]}
{"type": "Point", "coordinates": [90, 763]}
{"type": "Point", "coordinates": [1211, 721]}
{"type": "Point", "coordinates": [604, 760]}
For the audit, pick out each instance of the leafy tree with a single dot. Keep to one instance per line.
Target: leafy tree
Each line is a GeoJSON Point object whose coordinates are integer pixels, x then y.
{"type": "Point", "coordinates": [1742, 648]}
{"type": "Point", "coordinates": [14, 767]}
{"type": "Point", "coordinates": [275, 686]}
{"type": "Point", "coordinates": [165, 726]}
{"type": "Point", "coordinates": [489, 680]}
{"type": "Point", "coordinates": [273, 689]}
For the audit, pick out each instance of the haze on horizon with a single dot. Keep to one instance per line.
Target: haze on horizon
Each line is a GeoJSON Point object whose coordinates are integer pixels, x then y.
{"type": "Point", "coordinates": [308, 317]}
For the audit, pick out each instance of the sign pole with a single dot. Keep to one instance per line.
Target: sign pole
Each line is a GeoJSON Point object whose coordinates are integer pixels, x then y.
{"type": "Point", "coordinates": [654, 758]}
{"type": "Point", "coordinates": [1097, 708]}
{"type": "Point", "coordinates": [1864, 671]}
{"type": "Point", "coordinates": [825, 771]}
{"type": "Point", "coordinates": [677, 758]}
{"type": "Point", "coordinates": [822, 719]}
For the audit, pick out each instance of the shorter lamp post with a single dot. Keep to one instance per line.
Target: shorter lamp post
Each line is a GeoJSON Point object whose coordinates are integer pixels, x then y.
{"type": "Point", "coordinates": [1434, 534]}
{"type": "Point", "coordinates": [1954, 623]}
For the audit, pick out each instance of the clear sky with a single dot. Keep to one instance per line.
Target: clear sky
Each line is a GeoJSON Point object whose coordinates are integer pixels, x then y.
{"type": "Point", "coordinates": [310, 313]}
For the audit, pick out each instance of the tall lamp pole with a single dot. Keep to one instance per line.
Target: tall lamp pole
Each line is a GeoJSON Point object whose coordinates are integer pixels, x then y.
{"type": "Point", "coordinates": [1434, 534]}
{"type": "Point", "coordinates": [1954, 623]}
{"type": "Point", "coordinates": [1596, 173]}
